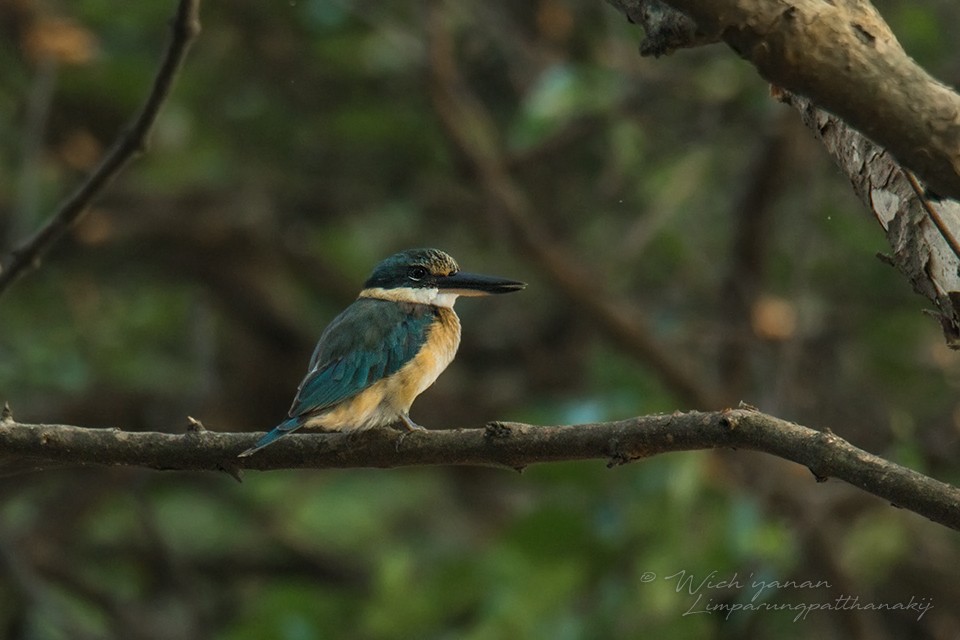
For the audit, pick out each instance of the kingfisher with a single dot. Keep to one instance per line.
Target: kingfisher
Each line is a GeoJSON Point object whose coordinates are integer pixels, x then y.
{"type": "Point", "coordinates": [387, 347]}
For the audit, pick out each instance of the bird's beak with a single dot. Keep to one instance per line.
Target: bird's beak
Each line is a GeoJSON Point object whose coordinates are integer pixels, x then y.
{"type": "Point", "coordinates": [475, 284]}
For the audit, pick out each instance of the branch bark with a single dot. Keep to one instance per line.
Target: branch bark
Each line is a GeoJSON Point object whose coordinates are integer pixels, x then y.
{"type": "Point", "coordinates": [132, 142]}
{"type": "Point", "coordinates": [844, 57]}
{"type": "Point", "coordinates": [866, 100]}
{"type": "Point", "coordinates": [34, 447]}
{"type": "Point", "coordinates": [921, 248]}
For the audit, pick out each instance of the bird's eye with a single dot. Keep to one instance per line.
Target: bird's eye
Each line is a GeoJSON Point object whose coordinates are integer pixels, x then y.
{"type": "Point", "coordinates": [417, 273]}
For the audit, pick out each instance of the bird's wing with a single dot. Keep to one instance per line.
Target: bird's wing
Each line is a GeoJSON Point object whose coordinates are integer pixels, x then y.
{"type": "Point", "coordinates": [369, 341]}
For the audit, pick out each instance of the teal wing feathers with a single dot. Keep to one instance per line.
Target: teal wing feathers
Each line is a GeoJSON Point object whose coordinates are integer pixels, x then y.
{"type": "Point", "coordinates": [371, 340]}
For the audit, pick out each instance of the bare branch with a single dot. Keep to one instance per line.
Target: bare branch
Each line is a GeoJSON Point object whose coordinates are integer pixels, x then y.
{"type": "Point", "coordinates": [132, 142]}
{"type": "Point", "coordinates": [511, 445]}
{"type": "Point", "coordinates": [948, 235]}
{"type": "Point", "coordinates": [841, 55]}
{"type": "Point", "coordinates": [847, 75]}
{"type": "Point", "coordinates": [921, 248]}
{"type": "Point", "coordinates": [667, 29]}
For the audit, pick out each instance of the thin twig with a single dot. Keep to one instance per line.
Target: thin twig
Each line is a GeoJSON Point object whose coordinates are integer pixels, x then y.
{"type": "Point", "coordinates": [933, 213]}
{"type": "Point", "coordinates": [132, 142]}
{"type": "Point", "coordinates": [511, 445]}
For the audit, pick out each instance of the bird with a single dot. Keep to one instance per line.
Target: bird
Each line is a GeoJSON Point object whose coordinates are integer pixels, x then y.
{"type": "Point", "coordinates": [387, 347]}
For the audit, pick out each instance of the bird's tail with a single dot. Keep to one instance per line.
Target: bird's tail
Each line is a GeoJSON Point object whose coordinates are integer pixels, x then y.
{"type": "Point", "coordinates": [287, 426]}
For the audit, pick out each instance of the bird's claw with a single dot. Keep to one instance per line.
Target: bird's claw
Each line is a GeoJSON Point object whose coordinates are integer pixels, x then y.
{"type": "Point", "coordinates": [410, 424]}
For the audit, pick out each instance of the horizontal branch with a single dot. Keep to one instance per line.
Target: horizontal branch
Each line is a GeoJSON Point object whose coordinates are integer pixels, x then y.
{"type": "Point", "coordinates": [33, 447]}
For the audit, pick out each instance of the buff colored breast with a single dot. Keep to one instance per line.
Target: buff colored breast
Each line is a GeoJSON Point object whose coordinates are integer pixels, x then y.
{"type": "Point", "coordinates": [383, 402]}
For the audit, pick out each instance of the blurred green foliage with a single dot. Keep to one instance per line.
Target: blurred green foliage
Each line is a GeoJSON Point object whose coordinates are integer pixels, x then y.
{"type": "Point", "coordinates": [302, 143]}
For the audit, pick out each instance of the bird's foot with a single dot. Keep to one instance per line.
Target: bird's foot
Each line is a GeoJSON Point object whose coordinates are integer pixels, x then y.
{"type": "Point", "coordinates": [410, 424]}
{"type": "Point", "coordinates": [410, 427]}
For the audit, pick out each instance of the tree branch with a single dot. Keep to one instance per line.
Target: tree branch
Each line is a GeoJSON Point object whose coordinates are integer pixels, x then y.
{"type": "Point", "coordinates": [922, 248]}
{"type": "Point", "coordinates": [842, 57]}
{"type": "Point", "coordinates": [132, 142]}
{"type": "Point", "coordinates": [513, 445]}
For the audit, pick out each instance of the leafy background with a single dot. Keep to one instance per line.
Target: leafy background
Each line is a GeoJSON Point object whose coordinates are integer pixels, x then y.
{"type": "Point", "coordinates": [303, 143]}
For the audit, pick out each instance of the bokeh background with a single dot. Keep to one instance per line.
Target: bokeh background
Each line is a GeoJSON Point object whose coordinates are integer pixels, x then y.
{"type": "Point", "coordinates": [686, 243]}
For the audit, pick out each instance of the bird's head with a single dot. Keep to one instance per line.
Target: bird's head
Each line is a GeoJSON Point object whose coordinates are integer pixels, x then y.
{"type": "Point", "coordinates": [430, 276]}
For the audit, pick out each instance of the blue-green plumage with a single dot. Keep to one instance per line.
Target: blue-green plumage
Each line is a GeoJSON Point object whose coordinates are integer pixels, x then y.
{"type": "Point", "coordinates": [386, 347]}
{"type": "Point", "coordinates": [346, 362]}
